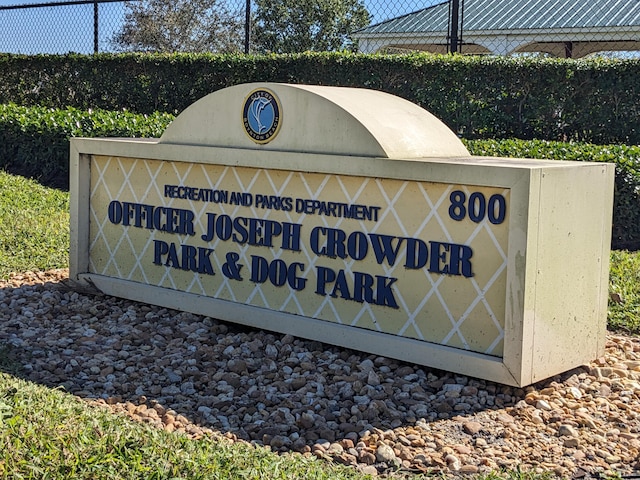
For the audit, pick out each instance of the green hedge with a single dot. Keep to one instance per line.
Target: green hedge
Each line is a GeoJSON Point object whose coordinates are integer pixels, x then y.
{"type": "Point", "coordinates": [593, 100]}
{"type": "Point", "coordinates": [34, 141]}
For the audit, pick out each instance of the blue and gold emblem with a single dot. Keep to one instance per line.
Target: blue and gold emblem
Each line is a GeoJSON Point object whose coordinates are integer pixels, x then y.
{"type": "Point", "coordinates": [261, 115]}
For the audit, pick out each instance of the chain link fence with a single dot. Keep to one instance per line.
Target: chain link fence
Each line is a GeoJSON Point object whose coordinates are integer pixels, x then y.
{"type": "Point", "coordinates": [561, 28]}
{"type": "Point", "coordinates": [60, 27]}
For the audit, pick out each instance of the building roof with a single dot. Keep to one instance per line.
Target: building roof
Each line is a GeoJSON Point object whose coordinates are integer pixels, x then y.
{"type": "Point", "coordinates": [546, 19]}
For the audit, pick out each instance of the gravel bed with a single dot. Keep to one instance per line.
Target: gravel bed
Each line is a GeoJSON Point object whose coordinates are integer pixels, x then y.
{"type": "Point", "coordinates": [200, 376]}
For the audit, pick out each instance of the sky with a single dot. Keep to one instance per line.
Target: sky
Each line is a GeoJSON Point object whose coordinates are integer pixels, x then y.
{"type": "Point", "coordinates": [70, 28]}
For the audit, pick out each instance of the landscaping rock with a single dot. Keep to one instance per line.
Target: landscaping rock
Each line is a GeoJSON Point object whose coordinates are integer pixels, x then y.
{"type": "Point", "coordinates": [198, 376]}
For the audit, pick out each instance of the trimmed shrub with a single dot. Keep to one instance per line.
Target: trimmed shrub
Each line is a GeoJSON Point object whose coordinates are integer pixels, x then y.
{"type": "Point", "coordinates": [590, 100]}
{"type": "Point", "coordinates": [34, 142]}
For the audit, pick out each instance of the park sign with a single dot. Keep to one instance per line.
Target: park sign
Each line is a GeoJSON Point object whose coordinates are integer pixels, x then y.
{"type": "Point", "coordinates": [355, 218]}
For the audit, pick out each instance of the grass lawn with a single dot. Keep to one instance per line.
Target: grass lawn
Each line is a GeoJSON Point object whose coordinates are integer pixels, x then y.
{"type": "Point", "coordinates": [624, 281]}
{"type": "Point", "coordinates": [34, 226]}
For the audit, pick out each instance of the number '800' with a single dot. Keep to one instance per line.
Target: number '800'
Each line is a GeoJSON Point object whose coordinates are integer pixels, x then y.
{"type": "Point", "coordinates": [477, 207]}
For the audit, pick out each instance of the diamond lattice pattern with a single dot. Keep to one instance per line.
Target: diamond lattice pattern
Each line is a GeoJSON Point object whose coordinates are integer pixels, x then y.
{"type": "Point", "coordinates": [452, 310]}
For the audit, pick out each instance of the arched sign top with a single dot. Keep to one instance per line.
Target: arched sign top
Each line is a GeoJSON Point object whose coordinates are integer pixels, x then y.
{"type": "Point", "coordinates": [314, 119]}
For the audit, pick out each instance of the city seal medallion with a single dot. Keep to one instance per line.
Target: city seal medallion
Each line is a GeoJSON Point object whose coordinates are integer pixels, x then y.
{"type": "Point", "coordinates": [261, 115]}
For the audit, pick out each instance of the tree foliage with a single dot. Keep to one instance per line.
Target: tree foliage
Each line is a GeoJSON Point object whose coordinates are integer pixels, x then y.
{"type": "Point", "coordinates": [179, 26]}
{"type": "Point", "coordinates": [290, 26]}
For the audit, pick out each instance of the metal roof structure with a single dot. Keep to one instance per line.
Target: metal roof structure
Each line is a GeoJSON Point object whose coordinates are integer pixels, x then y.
{"type": "Point", "coordinates": [570, 28]}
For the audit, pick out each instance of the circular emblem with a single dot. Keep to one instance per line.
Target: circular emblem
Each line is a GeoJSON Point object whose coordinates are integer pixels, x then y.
{"type": "Point", "coordinates": [261, 115]}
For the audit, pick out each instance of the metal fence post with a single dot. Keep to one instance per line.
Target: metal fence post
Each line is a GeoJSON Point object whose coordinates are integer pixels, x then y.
{"type": "Point", "coordinates": [247, 26]}
{"type": "Point", "coordinates": [454, 15]}
{"type": "Point", "coordinates": [95, 27]}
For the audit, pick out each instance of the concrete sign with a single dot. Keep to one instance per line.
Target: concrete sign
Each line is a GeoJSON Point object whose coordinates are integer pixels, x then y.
{"type": "Point", "coordinates": [355, 218]}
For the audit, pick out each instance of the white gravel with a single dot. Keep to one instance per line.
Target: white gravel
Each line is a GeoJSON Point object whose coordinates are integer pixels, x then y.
{"type": "Point", "coordinates": [200, 376]}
